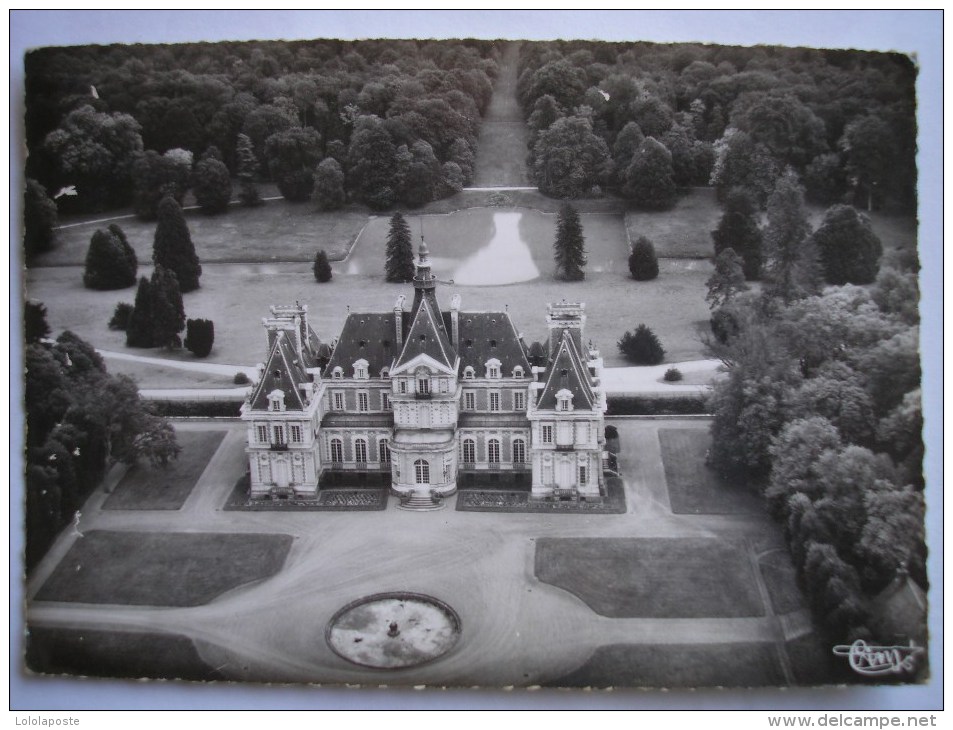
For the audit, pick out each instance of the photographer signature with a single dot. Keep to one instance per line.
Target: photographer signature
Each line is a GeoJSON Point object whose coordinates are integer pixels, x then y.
{"type": "Point", "coordinates": [875, 660]}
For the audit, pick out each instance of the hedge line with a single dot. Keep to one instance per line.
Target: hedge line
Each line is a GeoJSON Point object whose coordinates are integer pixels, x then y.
{"type": "Point", "coordinates": [196, 409]}
{"type": "Point", "coordinates": [638, 405]}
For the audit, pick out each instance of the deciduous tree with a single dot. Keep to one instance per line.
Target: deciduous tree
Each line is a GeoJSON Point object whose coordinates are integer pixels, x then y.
{"type": "Point", "coordinates": [650, 179]}
{"type": "Point", "coordinates": [328, 193]}
{"type": "Point", "coordinates": [848, 248]}
{"type": "Point", "coordinates": [39, 218]}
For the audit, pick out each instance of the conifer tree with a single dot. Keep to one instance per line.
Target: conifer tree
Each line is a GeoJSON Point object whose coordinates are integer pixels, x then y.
{"type": "Point", "coordinates": [139, 328]}
{"type": "Point", "coordinates": [35, 326]}
{"type": "Point", "coordinates": [39, 218]}
{"type": "Point", "coordinates": [570, 245]}
{"type": "Point", "coordinates": [792, 271]}
{"type": "Point", "coordinates": [130, 254]}
{"type": "Point", "coordinates": [200, 334]}
{"type": "Point", "coordinates": [168, 312]}
{"type": "Point", "coordinates": [642, 346]}
{"type": "Point", "coordinates": [643, 263]}
{"type": "Point", "coordinates": [107, 265]}
{"type": "Point", "coordinates": [400, 250]}
{"type": "Point", "coordinates": [738, 229]}
{"type": "Point", "coordinates": [322, 267]}
{"type": "Point", "coordinates": [173, 248]}
{"type": "Point", "coordinates": [247, 171]}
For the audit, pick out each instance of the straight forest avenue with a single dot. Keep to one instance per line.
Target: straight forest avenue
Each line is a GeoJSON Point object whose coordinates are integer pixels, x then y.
{"type": "Point", "coordinates": [482, 564]}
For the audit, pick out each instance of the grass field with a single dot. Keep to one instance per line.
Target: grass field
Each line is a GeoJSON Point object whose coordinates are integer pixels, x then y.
{"type": "Point", "coordinates": [167, 488]}
{"type": "Point", "coordinates": [653, 578]}
{"type": "Point", "coordinates": [162, 568]}
{"type": "Point", "coordinates": [693, 487]}
{"type": "Point", "coordinates": [675, 665]}
{"type": "Point", "coordinates": [157, 376]}
{"type": "Point", "coordinates": [781, 581]}
{"type": "Point", "coordinates": [123, 654]}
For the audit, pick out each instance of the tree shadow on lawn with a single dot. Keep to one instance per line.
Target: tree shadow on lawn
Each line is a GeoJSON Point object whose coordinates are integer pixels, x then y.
{"type": "Point", "coordinates": [121, 654]}
{"type": "Point", "coordinates": [162, 568]}
{"type": "Point", "coordinates": [146, 487]}
{"type": "Point", "coordinates": [693, 487]}
{"type": "Point", "coordinates": [653, 577]}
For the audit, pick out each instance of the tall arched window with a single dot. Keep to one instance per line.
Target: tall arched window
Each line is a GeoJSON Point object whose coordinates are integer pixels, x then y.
{"type": "Point", "coordinates": [421, 472]}
{"type": "Point", "coordinates": [469, 451]}
{"type": "Point", "coordinates": [337, 450]}
{"type": "Point", "coordinates": [383, 451]}
{"type": "Point", "coordinates": [493, 451]}
{"type": "Point", "coordinates": [360, 451]}
{"type": "Point", "coordinates": [519, 451]}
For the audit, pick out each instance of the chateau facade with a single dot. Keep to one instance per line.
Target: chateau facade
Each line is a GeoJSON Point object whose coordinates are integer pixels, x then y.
{"type": "Point", "coordinates": [422, 401]}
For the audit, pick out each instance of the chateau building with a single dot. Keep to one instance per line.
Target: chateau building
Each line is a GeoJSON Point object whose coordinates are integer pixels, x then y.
{"type": "Point", "coordinates": [423, 400]}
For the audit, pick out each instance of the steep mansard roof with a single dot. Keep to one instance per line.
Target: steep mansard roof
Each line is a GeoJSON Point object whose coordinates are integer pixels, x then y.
{"type": "Point", "coordinates": [367, 336]}
{"type": "Point", "coordinates": [427, 336]}
{"type": "Point", "coordinates": [567, 372]}
{"type": "Point", "coordinates": [488, 335]}
{"type": "Point", "coordinates": [283, 372]}
{"type": "Point", "coordinates": [483, 336]}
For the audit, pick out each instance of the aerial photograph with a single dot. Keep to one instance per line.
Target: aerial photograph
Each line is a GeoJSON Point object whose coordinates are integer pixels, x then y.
{"type": "Point", "coordinates": [444, 359]}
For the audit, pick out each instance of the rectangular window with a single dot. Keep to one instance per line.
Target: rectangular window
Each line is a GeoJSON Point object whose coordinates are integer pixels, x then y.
{"type": "Point", "coordinates": [547, 434]}
{"type": "Point", "coordinates": [362, 401]}
{"type": "Point", "coordinates": [519, 400]}
{"type": "Point", "coordinates": [469, 401]}
{"type": "Point", "coordinates": [383, 451]}
{"type": "Point", "coordinates": [360, 451]}
{"type": "Point", "coordinates": [493, 451]}
{"type": "Point", "coordinates": [494, 401]}
{"type": "Point", "coordinates": [262, 434]}
{"type": "Point", "coordinates": [423, 386]}
{"type": "Point", "coordinates": [385, 401]}
{"type": "Point", "coordinates": [401, 386]}
{"type": "Point", "coordinates": [279, 434]}
{"type": "Point", "coordinates": [583, 475]}
{"type": "Point", "coordinates": [337, 401]}
{"type": "Point", "coordinates": [336, 448]}
{"type": "Point", "coordinates": [296, 435]}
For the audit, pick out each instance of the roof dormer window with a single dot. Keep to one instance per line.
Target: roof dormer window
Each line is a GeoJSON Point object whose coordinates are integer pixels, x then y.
{"type": "Point", "coordinates": [276, 400]}
{"type": "Point", "coordinates": [518, 371]}
{"type": "Point", "coordinates": [337, 373]}
{"type": "Point", "coordinates": [564, 400]}
{"type": "Point", "coordinates": [360, 370]}
{"type": "Point", "coordinates": [468, 373]}
{"type": "Point", "coordinates": [493, 368]}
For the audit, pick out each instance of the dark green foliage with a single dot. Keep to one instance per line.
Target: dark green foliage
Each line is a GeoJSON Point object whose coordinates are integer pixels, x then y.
{"type": "Point", "coordinates": [240, 378]}
{"type": "Point", "coordinates": [212, 185]}
{"type": "Point", "coordinates": [642, 347]}
{"type": "Point", "coordinates": [35, 326]}
{"type": "Point", "coordinates": [400, 251]}
{"type": "Point", "coordinates": [631, 405]}
{"type": "Point", "coordinates": [156, 176]}
{"type": "Point", "coordinates": [419, 172]}
{"type": "Point", "coordinates": [738, 229]}
{"type": "Point", "coordinates": [122, 314]}
{"type": "Point", "coordinates": [168, 312]}
{"type": "Point", "coordinates": [173, 248]}
{"type": "Point", "coordinates": [724, 324]}
{"type": "Point", "coordinates": [451, 181]}
{"type": "Point", "coordinates": [39, 218]}
{"type": "Point", "coordinates": [139, 326]}
{"type": "Point", "coordinates": [825, 181]}
{"type": "Point", "coordinates": [247, 171]}
{"type": "Point", "coordinates": [200, 409]}
{"type": "Point", "coordinates": [791, 269]}
{"type": "Point", "coordinates": [372, 164]}
{"type": "Point", "coordinates": [643, 262]}
{"type": "Point", "coordinates": [108, 265]}
{"type": "Point", "coordinates": [199, 336]}
{"type": "Point", "coordinates": [131, 261]}
{"type": "Point", "coordinates": [672, 375]}
{"type": "Point", "coordinates": [727, 280]}
{"type": "Point", "coordinates": [570, 245]}
{"type": "Point", "coordinates": [545, 112]}
{"type": "Point", "coordinates": [626, 146]}
{"type": "Point", "coordinates": [570, 160]}
{"type": "Point", "coordinates": [79, 421]}
{"type": "Point", "coordinates": [650, 179]}
{"type": "Point", "coordinates": [849, 250]}
{"type": "Point", "coordinates": [322, 267]}
{"type": "Point", "coordinates": [292, 156]}
{"type": "Point", "coordinates": [741, 162]}
{"type": "Point", "coordinates": [328, 193]}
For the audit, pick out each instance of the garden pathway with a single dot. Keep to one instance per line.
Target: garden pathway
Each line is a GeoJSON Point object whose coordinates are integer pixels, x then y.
{"type": "Point", "coordinates": [501, 150]}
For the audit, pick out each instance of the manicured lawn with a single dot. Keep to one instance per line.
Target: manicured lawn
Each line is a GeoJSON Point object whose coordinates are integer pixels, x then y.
{"type": "Point", "coordinates": [157, 376]}
{"type": "Point", "coordinates": [162, 568]}
{"type": "Point", "coordinates": [147, 487]}
{"type": "Point", "coordinates": [695, 488]}
{"type": "Point", "coordinates": [237, 296]}
{"type": "Point", "coordinates": [677, 665]}
{"type": "Point", "coordinates": [652, 577]}
{"type": "Point", "coordinates": [275, 231]}
{"type": "Point", "coordinates": [781, 581]}
{"type": "Point", "coordinates": [682, 232]}
{"type": "Point", "coordinates": [132, 655]}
